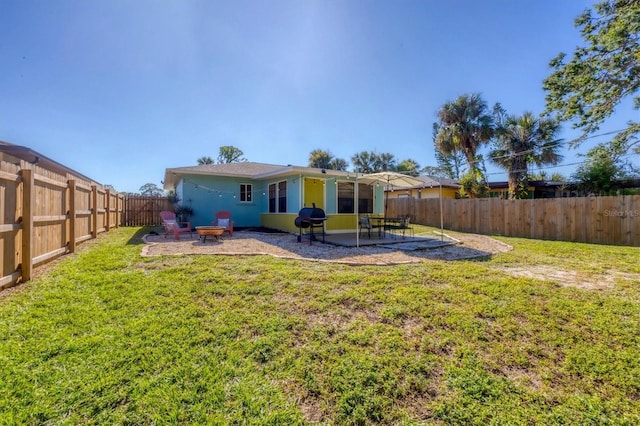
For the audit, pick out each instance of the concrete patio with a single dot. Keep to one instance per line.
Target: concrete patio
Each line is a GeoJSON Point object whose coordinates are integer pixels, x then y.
{"type": "Point", "coordinates": [408, 242]}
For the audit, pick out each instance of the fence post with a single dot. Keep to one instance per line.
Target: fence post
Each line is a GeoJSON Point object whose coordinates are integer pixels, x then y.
{"type": "Point", "coordinates": [108, 210]}
{"type": "Point", "coordinates": [119, 205]}
{"type": "Point", "coordinates": [27, 223]}
{"type": "Point", "coordinates": [94, 211]}
{"type": "Point", "coordinates": [72, 215]}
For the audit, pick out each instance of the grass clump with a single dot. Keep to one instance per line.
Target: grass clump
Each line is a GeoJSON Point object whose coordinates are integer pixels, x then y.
{"type": "Point", "coordinates": [109, 337]}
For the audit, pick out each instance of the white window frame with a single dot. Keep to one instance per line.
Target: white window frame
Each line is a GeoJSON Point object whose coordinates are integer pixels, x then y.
{"type": "Point", "coordinates": [247, 191]}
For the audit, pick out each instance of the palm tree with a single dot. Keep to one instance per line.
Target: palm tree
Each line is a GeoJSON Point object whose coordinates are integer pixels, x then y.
{"type": "Point", "coordinates": [338, 164]}
{"type": "Point", "coordinates": [525, 140]}
{"type": "Point", "coordinates": [205, 160]}
{"type": "Point", "coordinates": [364, 162]}
{"type": "Point", "coordinates": [320, 159]}
{"type": "Point", "coordinates": [385, 162]}
{"type": "Point", "coordinates": [464, 125]}
{"type": "Point", "coordinates": [409, 167]}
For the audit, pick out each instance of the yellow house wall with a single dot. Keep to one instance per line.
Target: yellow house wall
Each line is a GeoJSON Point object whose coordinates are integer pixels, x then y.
{"type": "Point", "coordinates": [424, 193]}
{"type": "Point", "coordinates": [341, 222]}
{"type": "Point", "coordinates": [314, 192]}
{"type": "Point", "coordinates": [286, 222]}
{"type": "Point", "coordinates": [279, 221]}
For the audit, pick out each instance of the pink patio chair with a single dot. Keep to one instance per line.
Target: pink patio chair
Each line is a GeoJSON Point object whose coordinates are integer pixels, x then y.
{"type": "Point", "coordinates": [172, 225]}
{"type": "Point", "coordinates": [223, 218]}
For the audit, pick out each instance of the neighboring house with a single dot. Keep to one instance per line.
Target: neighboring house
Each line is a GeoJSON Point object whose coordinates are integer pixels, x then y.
{"type": "Point", "coordinates": [270, 195]}
{"type": "Point", "coordinates": [628, 186]}
{"type": "Point", "coordinates": [430, 189]}
{"type": "Point", "coordinates": [535, 189]}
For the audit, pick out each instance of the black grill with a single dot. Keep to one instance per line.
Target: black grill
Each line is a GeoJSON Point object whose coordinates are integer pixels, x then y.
{"type": "Point", "coordinates": [311, 218]}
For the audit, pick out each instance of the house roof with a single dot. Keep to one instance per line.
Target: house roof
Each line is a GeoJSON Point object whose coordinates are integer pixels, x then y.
{"type": "Point", "coordinates": [534, 183]}
{"type": "Point", "coordinates": [258, 171]}
{"type": "Point", "coordinates": [246, 170]}
{"type": "Point", "coordinates": [432, 181]}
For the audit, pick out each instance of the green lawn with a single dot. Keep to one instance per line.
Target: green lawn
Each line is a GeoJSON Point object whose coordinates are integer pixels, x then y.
{"type": "Point", "coordinates": [106, 336]}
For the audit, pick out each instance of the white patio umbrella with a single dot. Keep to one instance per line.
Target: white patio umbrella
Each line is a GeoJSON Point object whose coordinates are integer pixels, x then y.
{"type": "Point", "coordinates": [390, 180]}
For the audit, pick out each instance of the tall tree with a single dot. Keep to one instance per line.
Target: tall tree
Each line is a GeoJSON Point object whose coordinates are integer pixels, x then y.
{"type": "Point", "coordinates": [384, 162]}
{"type": "Point", "coordinates": [372, 162]}
{"type": "Point", "coordinates": [408, 167]}
{"type": "Point", "coordinates": [600, 74]}
{"type": "Point", "coordinates": [450, 165]}
{"type": "Point", "coordinates": [338, 164]}
{"type": "Point", "coordinates": [320, 159]}
{"type": "Point", "coordinates": [364, 162]}
{"type": "Point", "coordinates": [603, 170]}
{"type": "Point", "coordinates": [521, 141]}
{"type": "Point", "coordinates": [464, 125]}
{"type": "Point", "coordinates": [230, 154]}
{"type": "Point", "coordinates": [205, 160]}
{"type": "Point", "coordinates": [151, 189]}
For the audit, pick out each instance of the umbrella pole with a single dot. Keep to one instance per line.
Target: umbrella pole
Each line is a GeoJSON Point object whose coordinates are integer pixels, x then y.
{"type": "Point", "coordinates": [386, 203]}
{"type": "Point", "coordinates": [356, 210]}
{"type": "Point", "coordinates": [441, 217]}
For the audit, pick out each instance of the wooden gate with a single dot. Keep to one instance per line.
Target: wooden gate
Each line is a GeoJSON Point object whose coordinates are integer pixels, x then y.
{"type": "Point", "coordinates": [142, 210]}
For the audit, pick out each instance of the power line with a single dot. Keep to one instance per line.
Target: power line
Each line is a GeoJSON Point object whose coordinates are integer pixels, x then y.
{"type": "Point", "coordinates": [562, 165]}
{"type": "Point", "coordinates": [551, 145]}
{"type": "Point", "coordinates": [521, 153]}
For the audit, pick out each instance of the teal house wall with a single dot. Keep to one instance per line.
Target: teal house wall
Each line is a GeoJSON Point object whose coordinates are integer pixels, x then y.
{"type": "Point", "coordinates": [293, 195]}
{"type": "Point", "coordinates": [208, 194]}
{"type": "Point", "coordinates": [331, 196]}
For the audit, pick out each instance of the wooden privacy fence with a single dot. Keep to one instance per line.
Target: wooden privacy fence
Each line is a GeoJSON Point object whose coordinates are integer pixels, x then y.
{"type": "Point", "coordinates": [598, 220]}
{"type": "Point", "coordinates": [45, 214]}
{"type": "Point", "coordinates": [140, 210]}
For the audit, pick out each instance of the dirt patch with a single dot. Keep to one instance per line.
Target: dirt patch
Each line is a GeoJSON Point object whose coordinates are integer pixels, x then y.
{"type": "Point", "coordinates": [467, 246]}
{"type": "Point", "coordinates": [568, 278]}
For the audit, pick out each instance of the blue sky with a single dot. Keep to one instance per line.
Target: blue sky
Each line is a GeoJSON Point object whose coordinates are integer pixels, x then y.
{"type": "Point", "coordinates": [119, 90]}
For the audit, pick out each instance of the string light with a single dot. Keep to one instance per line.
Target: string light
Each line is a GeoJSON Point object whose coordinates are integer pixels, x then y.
{"type": "Point", "coordinates": [221, 193]}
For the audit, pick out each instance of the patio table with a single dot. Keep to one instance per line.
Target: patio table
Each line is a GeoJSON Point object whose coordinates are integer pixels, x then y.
{"type": "Point", "coordinates": [392, 223]}
{"type": "Point", "coordinates": [378, 222]}
{"type": "Point", "coordinates": [386, 224]}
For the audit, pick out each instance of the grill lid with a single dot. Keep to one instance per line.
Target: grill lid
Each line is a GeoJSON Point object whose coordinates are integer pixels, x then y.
{"type": "Point", "coordinates": [312, 212]}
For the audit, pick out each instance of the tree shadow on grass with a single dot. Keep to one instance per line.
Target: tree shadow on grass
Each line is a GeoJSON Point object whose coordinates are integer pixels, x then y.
{"type": "Point", "coordinates": [136, 239]}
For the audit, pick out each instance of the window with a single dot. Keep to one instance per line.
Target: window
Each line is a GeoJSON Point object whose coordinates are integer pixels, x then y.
{"type": "Point", "coordinates": [272, 198]}
{"type": "Point", "coordinates": [345, 197]}
{"type": "Point", "coordinates": [282, 196]}
{"type": "Point", "coordinates": [365, 198]}
{"type": "Point", "coordinates": [278, 197]}
{"type": "Point", "coordinates": [246, 192]}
